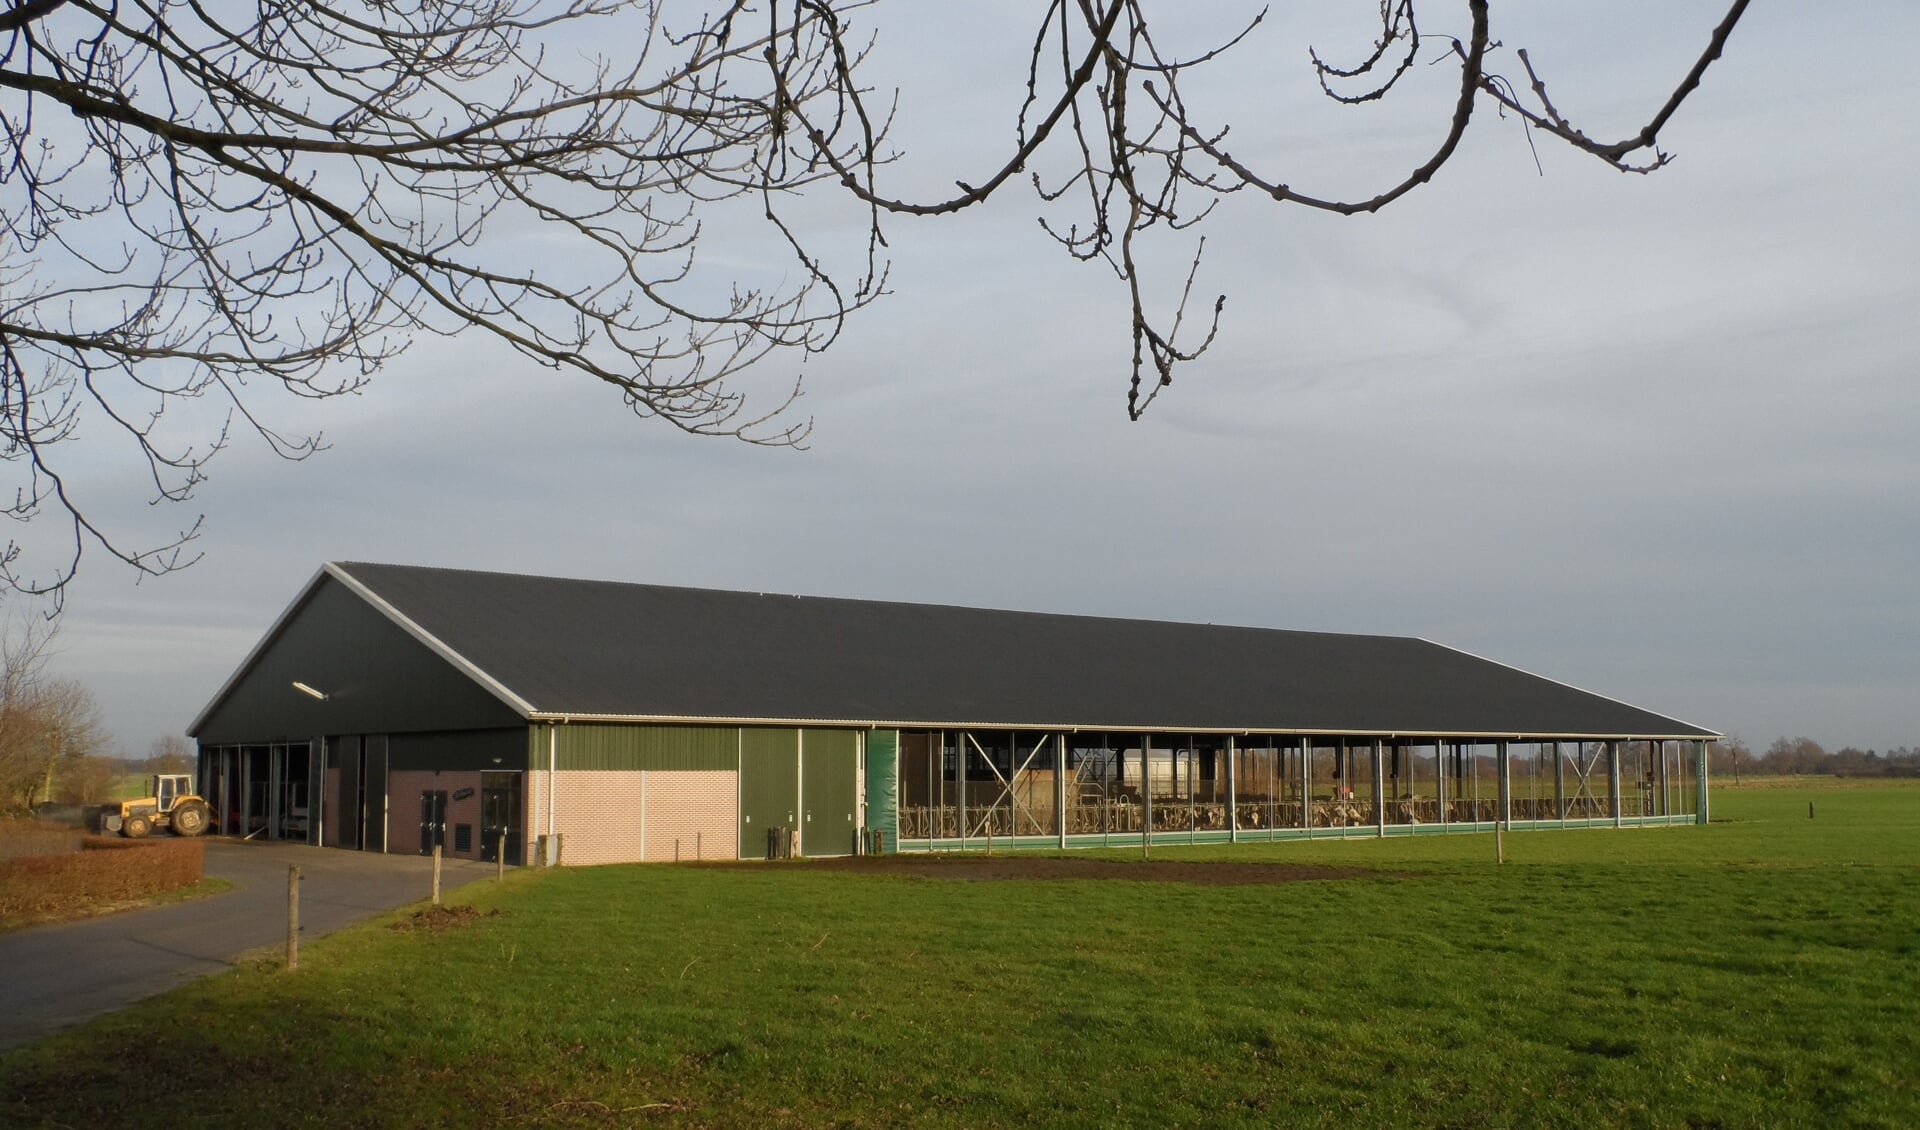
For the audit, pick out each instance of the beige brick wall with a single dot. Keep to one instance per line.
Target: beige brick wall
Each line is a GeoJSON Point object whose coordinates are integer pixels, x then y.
{"type": "Point", "coordinates": [598, 814]}
{"type": "Point", "coordinates": [700, 811]}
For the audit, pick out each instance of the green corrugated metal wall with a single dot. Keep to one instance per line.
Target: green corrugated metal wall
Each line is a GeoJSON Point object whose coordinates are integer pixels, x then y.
{"type": "Point", "coordinates": [770, 762]}
{"type": "Point", "coordinates": [591, 746]}
{"type": "Point", "coordinates": [829, 791]}
{"type": "Point", "coordinates": [769, 786]}
{"type": "Point", "coordinates": [883, 786]}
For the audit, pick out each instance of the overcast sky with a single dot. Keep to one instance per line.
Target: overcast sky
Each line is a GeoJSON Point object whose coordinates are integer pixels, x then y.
{"type": "Point", "coordinates": [1652, 436]}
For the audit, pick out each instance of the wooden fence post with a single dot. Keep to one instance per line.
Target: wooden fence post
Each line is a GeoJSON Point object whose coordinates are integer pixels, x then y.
{"type": "Point", "coordinates": [436, 874]}
{"type": "Point", "coordinates": [293, 916]}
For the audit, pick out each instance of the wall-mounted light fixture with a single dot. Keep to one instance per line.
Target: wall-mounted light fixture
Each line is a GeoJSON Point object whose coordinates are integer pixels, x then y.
{"type": "Point", "coordinates": [307, 690]}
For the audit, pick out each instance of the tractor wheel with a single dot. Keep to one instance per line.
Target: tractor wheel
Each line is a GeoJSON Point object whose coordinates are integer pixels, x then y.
{"type": "Point", "coordinates": [136, 827]}
{"type": "Point", "coordinates": [189, 819]}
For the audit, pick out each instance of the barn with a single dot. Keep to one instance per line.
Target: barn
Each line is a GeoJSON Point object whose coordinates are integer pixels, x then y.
{"type": "Point", "coordinates": [397, 708]}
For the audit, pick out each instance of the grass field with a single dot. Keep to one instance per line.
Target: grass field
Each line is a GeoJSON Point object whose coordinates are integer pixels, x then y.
{"type": "Point", "coordinates": [1762, 971]}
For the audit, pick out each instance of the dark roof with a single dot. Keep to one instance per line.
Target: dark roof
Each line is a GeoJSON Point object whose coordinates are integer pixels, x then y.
{"type": "Point", "coordinates": [579, 648]}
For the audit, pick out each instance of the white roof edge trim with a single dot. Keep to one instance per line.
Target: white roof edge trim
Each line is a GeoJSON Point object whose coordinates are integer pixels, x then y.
{"type": "Point", "coordinates": [1571, 687]}
{"type": "Point", "coordinates": [260, 645]}
{"type": "Point", "coordinates": [568, 717]}
{"type": "Point", "coordinates": [466, 666]}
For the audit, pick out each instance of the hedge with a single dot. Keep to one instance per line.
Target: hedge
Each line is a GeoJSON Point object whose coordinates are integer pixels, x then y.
{"type": "Point", "coordinates": [36, 837]}
{"type": "Point", "coordinates": [104, 870]}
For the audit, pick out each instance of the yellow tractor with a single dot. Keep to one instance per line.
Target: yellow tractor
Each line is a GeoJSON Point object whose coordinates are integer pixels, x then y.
{"type": "Point", "coordinates": [171, 804]}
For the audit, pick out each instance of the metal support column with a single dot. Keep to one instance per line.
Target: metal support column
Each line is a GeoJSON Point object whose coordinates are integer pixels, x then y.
{"type": "Point", "coordinates": [1146, 794]}
{"type": "Point", "coordinates": [1503, 762]}
{"type": "Point", "coordinates": [1342, 783]}
{"type": "Point", "coordinates": [276, 789]}
{"type": "Point", "coordinates": [1666, 798]}
{"type": "Point", "coordinates": [1700, 782]}
{"type": "Point", "coordinates": [220, 793]}
{"type": "Point", "coordinates": [1233, 792]}
{"type": "Point", "coordinates": [1613, 779]}
{"type": "Point", "coordinates": [1306, 785]}
{"type": "Point", "coordinates": [1379, 790]}
{"type": "Point", "coordinates": [317, 792]}
{"type": "Point", "coordinates": [1060, 787]}
{"type": "Point", "coordinates": [960, 782]}
{"type": "Point", "coordinates": [1283, 756]}
{"type": "Point", "coordinates": [1470, 764]}
{"type": "Point", "coordinates": [1192, 763]}
{"type": "Point", "coordinates": [246, 792]}
{"type": "Point", "coordinates": [1440, 780]}
{"type": "Point", "coordinates": [1560, 783]}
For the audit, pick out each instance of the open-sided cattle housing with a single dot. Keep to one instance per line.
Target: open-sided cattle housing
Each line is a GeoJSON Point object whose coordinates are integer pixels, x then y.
{"type": "Point", "coordinates": [393, 708]}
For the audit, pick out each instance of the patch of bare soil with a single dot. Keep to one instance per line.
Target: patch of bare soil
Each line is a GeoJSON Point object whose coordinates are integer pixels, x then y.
{"type": "Point", "coordinates": [435, 919]}
{"type": "Point", "coordinates": [989, 868]}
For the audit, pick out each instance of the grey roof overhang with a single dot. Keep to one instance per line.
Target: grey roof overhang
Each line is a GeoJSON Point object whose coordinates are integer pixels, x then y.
{"type": "Point", "coordinates": [557, 649]}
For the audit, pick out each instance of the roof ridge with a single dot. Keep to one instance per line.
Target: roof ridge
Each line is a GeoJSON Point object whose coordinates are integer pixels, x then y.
{"type": "Point", "coordinates": [864, 600]}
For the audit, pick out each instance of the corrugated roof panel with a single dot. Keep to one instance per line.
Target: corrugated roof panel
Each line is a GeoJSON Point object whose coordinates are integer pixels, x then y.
{"type": "Point", "coordinates": [609, 649]}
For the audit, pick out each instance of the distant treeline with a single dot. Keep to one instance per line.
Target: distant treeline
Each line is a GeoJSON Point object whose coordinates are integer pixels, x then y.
{"type": "Point", "coordinates": [1804, 756]}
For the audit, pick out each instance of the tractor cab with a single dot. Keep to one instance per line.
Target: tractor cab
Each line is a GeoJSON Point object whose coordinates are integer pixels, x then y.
{"type": "Point", "coordinates": [168, 788]}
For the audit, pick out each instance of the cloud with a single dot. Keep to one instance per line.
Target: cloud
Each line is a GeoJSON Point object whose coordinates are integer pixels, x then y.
{"type": "Point", "coordinates": [1646, 435]}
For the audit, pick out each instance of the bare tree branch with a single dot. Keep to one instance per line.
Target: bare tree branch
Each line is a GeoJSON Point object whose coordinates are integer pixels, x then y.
{"type": "Point", "coordinates": [1136, 147]}
{"type": "Point", "coordinates": [218, 202]}
{"type": "Point", "coordinates": [1548, 116]}
{"type": "Point", "coordinates": [201, 202]}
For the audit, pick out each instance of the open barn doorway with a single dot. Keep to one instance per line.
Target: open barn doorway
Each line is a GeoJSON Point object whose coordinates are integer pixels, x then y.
{"type": "Point", "coordinates": [262, 792]}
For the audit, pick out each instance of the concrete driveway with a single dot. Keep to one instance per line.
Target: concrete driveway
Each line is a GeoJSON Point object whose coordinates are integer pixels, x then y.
{"type": "Point", "coordinates": [59, 976]}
